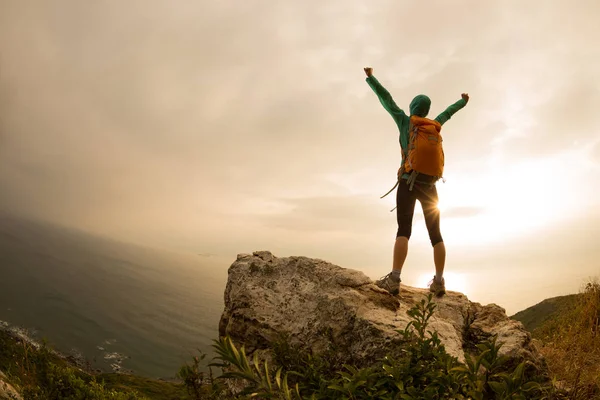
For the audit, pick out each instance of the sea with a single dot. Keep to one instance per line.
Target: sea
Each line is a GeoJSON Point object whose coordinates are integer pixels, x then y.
{"type": "Point", "coordinates": [120, 307]}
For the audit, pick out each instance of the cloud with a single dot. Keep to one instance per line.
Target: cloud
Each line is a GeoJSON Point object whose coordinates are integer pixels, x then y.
{"type": "Point", "coordinates": [565, 121]}
{"type": "Point", "coordinates": [325, 214]}
{"type": "Point", "coordinates": [153, 120]}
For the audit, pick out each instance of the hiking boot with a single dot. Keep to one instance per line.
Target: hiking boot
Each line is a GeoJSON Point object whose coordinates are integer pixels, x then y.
{"type": "Point", "coordinates": [390, 284]}
{"type": "Point", "coordinates": [437, 287]}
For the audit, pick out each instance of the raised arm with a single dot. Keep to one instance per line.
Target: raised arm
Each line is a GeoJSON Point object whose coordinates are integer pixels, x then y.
{"type": "Point", "coordinates": [450, 111]}
{"type": "Point", "coordinates": [385, 98]}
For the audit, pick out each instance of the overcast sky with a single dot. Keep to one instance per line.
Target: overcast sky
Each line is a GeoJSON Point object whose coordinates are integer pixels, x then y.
{"type": "Point", "coordinates": [231, 126]}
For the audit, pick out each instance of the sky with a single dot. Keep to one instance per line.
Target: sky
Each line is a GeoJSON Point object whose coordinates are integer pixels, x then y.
{"type": "Point", "coordinates": [226, 127]}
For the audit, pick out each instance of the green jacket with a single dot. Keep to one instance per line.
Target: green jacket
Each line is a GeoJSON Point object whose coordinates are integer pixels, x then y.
{"type": "Point", "coordinates": [419, 106]}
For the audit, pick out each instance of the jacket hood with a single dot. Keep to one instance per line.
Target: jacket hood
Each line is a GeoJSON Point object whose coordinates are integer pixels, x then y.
{"type": "Point", "coordinates": [419, 106]}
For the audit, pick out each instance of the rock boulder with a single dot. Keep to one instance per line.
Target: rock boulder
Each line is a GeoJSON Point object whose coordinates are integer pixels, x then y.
{"type": "Point", "coordinates": [316, 304]}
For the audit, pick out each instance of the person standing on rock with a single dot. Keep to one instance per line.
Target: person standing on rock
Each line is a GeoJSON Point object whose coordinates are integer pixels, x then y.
{"type": "Point", "coordinates": [422, 166]}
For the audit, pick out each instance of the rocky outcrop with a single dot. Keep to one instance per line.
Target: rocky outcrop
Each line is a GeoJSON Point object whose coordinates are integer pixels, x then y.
{"type": "Point", "coordinates": [320, 305]}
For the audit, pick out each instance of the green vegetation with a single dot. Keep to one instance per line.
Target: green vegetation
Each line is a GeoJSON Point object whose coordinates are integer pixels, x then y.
{"type": "Point", "coordinates": [42, 374]}
{"type": "Point", "coordinates": [148, 388]}
{"type": "Point", "coordinates": [423, 371]}
{"type": "Point", "coordinates": [570, 342]}
{"type": "Point", "coordinates": [569, 339]}
{"type": "Point", "coordinates": [545, 311]}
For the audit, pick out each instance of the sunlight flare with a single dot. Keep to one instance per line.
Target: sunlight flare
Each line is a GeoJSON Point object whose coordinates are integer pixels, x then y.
{"type": "Point", "coordinates": [507, 201]}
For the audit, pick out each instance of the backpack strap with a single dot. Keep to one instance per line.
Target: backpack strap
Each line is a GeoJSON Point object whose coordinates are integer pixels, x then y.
{"type": "Point", "coordinates": [390, 191]}
{"type": "Point", "coordinates": [413, 131]}
{"type": "Point", "coordinates": [412, 179]}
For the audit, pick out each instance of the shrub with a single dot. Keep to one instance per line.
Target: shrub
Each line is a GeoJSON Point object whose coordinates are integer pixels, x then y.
{"type": "Point", "coordinates": [571, 345]}
{"type": "Point", "coordinates": [41, 374]}
{"type": "Point", "coordinates": [423, 371]}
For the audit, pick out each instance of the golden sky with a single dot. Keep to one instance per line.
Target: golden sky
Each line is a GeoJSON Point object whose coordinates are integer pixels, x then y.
{"type": "Point", "coordinates": [231, 126]}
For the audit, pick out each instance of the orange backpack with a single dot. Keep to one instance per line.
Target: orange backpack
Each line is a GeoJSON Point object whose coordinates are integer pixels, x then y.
{"type": "Point", "coordinates": [425, 154]}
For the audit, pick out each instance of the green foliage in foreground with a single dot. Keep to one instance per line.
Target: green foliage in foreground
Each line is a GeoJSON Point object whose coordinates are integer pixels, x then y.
{"type": "Point", "coordinates": [42, 374]}
{"type": "Point", "coordinates": [570, 342]}
{"type": "Point", "coordinates": [423, 371]}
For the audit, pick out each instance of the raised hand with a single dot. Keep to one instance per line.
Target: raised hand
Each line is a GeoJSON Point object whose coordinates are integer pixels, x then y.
{"type": "Point", "coordinates": [368, 71]}
{"type": "Point", "coordinates": [465, 97]}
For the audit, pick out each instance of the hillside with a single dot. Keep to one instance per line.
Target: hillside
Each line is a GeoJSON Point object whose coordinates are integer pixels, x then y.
{"type": "Point", "coordinates": [545, 311]}
{"type": "Point", "coordinates": [566, 332]}
{"type": "Point", "coordinates": [40, 372]}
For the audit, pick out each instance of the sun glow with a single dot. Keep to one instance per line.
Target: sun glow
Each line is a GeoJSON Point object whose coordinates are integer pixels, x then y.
{"type": "Point", "coordinates": [505, 201]}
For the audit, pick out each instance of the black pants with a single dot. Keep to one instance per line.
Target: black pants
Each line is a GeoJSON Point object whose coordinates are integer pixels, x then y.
{"type": "Point", "coordinates": [405, 209]}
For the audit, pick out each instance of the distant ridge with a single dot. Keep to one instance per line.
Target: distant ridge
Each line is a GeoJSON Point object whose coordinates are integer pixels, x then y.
{"type": "Point", "coordinates": [535, 316]}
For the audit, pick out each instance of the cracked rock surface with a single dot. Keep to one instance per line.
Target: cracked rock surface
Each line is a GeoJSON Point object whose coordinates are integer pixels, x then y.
{"type": "Point", "coordinates": [316, 304]}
